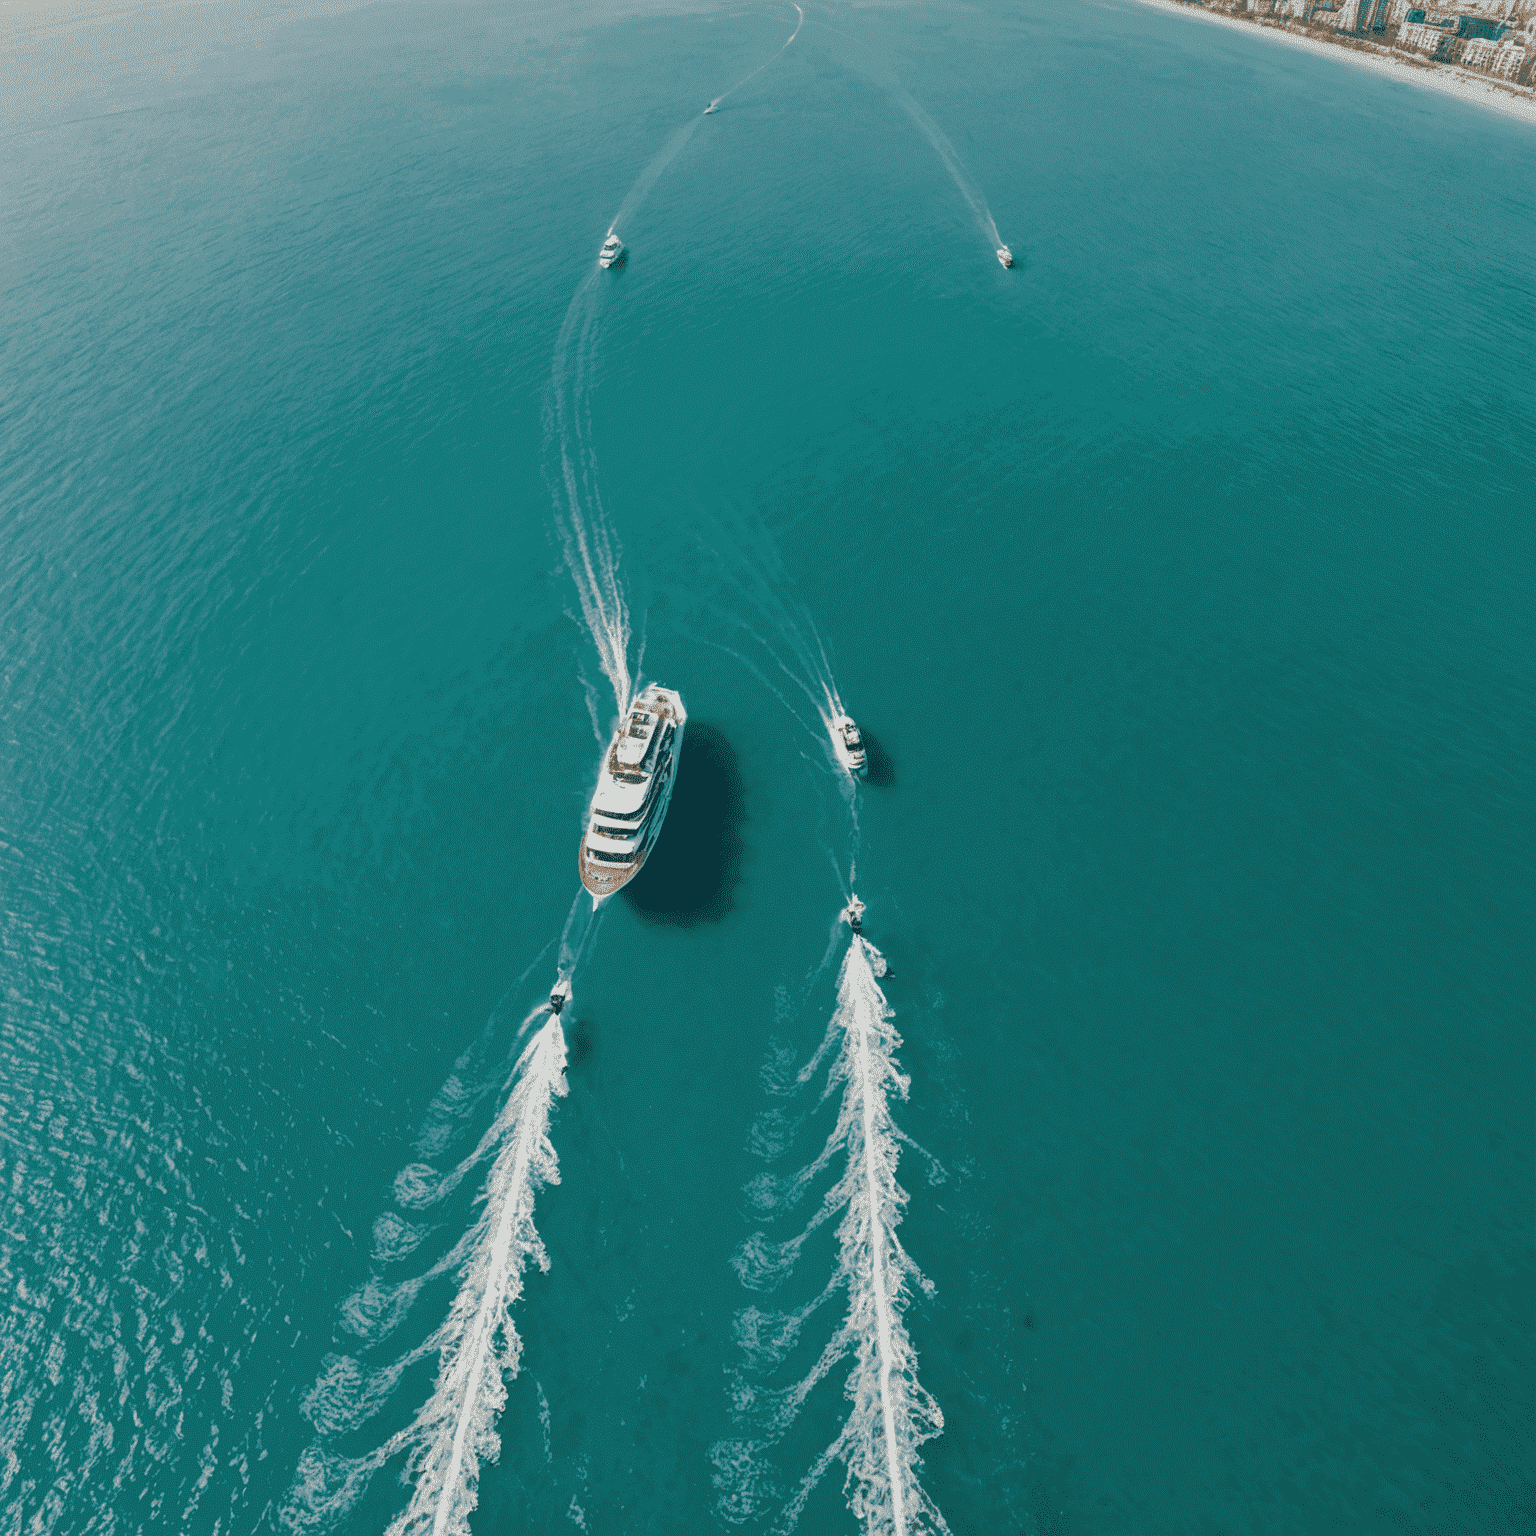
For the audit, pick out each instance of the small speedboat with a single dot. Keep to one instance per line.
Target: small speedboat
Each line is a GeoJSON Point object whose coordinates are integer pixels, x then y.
{"type": "Point", "coordinates": [1005, 256]}
{"type": "Point", "coordinates": [612, 252]}
{"type": "Point", "coordinates": [710, 108]}
{"type": "Point", "coordinates": [850, 745]}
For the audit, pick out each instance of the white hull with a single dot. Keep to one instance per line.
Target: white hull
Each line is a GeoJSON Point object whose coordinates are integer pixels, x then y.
{"type": "Point", "coordinates": [634, 791]}
{"type": "Point", "coordinates": [848, 744]}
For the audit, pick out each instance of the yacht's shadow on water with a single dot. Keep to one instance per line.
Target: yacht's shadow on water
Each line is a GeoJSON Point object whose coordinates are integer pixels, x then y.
{"type": "Point", "coordinates": [692, 872]}
{"type": "Point", "coordinates": [880, 770]}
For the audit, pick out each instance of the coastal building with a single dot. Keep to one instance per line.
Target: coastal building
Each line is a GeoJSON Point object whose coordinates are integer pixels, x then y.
{"type": "Point", "coordinates": [1426, 37]}
{"type": "Point", "coordinates": [1505, 60]}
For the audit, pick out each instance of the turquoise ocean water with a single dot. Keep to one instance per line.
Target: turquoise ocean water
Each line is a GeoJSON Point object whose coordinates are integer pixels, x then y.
{"type": "Point", "coordinates": [1181, 576]}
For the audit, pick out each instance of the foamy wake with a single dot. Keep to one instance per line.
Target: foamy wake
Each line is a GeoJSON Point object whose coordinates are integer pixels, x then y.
{"type": "Point", "coordinates": [587, 542]}
{"type": "Point", "coordinates": [892, 1414]}
{"type": "Point", "coordinates": [477, 1346]}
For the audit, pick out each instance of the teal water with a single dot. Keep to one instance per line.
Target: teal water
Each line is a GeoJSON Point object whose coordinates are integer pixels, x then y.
{"type": "Point", "coordinates": [1181, 576]}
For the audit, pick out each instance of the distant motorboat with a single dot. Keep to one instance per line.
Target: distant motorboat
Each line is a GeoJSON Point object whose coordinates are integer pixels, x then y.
{"type": "Point", "coordinates": [710, 108]}
{"type": "Point", "coordinates": [612, 252]}
{"type": "Point", "coordinates": [1005, 256]}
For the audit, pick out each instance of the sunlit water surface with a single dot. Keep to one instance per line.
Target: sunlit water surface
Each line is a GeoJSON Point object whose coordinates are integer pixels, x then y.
{"type": "Point", "coordinates": [1180, 575]}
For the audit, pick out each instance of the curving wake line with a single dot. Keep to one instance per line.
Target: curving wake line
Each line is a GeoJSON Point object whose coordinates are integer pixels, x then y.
{"type": "Point", "coordinates": [892, 1413]}
{"type": "Point", "coordinates": [588, 542]}
{"type": "Point", "coordinates": [747, 560]}
{"type": "Point", "coordinates": [937, 139]}
{"type": "Point", "coordinates": [761, 67]}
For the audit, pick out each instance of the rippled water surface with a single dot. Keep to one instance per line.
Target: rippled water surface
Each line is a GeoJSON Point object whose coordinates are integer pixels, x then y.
{"type": "Point", "coordinates": [1180, 577]}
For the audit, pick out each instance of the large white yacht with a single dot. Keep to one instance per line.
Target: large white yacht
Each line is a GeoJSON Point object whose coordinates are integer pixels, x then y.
{"type": "Point", "coordinates": [634, 789]}
{"type": "Point", "coordinates": [612, 252]}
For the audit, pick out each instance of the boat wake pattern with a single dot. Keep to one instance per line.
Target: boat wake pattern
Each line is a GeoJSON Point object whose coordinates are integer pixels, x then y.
{"type": "Point", "coordinates": [588, 542]}
{"type": "Point", "coordinates": [891, 1413]}
{"type": "Point", "coordinates": [783, 646]}
{"type": "Point", "coordinates": [477, 1345]}
{"type": "Point", "coordinates": [761, 67]}
{"type": "Point", "coordinates": [935, 135]}
{"type": "Point", "coordinates": [952, 163]}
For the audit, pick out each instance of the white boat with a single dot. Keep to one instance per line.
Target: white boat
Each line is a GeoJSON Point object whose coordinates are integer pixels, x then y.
{"type": "Point", "coordinates": [850, 745]}
{"type": "Point", "coordinates": [1005, 256]}
{"type": "Point", "coordinates": [612, 252]}
{"type": "Point", "coordinates": [634, 789]}
{"type": "Point", "coordinates": [710, 108]}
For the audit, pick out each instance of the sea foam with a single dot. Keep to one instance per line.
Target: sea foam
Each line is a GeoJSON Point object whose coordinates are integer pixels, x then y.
{"type": "Point", "coordinates": [892, 1413]}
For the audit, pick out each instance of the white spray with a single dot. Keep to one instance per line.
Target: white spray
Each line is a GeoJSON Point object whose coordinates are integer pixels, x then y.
{"type": "Point", "coordinates": [590, 548]}
{"type": "Point", "coordinates": [892, 1413]}
{"type": "Point", "coordinates": [478, 1344]}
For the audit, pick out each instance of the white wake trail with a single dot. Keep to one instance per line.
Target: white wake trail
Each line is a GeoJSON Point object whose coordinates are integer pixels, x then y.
{"type": "Point", "coordinates": [478, 1344]}
{"type": "Point", "coordinates": [590, 548]}
{"type": "Point", "coordinates": [937, 138]}
{"type": "Point", "coordinates": [761, 67]}
{"type": "Point", "coordinates": [892, 1413]}
{"type": "Point", "coordinates": [748, 560]}
{"type": "Point", "coordinates": [588, 543]}
{"type": "Point", "coordinates": [952, 163]}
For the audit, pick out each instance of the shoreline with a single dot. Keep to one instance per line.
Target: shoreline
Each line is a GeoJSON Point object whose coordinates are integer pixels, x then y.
{"type": "Point", "coordinates": [1445, 78]}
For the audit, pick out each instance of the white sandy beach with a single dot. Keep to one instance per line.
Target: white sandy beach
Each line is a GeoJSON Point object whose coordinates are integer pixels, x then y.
{"type": "Point", "coordinates": [1445, 78]}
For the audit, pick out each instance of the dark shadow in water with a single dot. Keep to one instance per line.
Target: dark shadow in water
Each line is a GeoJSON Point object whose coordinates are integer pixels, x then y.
{"type": "Point", "coordinates": [579, 1041]}
{"type": "Point", "coordinates": [692, 872]}
{"type": "Point", "coordinates": [880, 771]}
